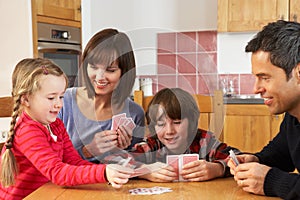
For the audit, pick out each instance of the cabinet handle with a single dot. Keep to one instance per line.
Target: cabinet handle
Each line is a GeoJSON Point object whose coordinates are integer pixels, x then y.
{"type": "Point", "coordinates": [295, 17]}
{"type": "Point", "coordinates": [281, 17]}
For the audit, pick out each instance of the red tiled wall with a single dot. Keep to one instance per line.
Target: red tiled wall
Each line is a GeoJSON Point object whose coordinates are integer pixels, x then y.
{"type": "Point", "coordinates": [189, 60]}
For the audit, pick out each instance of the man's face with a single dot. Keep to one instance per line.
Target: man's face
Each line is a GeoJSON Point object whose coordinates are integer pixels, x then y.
{"type": "Point", "coordinates": [280, 95]}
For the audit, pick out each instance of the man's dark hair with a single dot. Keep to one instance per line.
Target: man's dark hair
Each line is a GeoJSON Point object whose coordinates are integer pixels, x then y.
{"type": "Point", "coordinates": [282, 40]}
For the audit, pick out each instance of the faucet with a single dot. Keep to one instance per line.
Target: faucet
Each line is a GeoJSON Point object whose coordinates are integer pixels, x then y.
{"type": "Point", "coordinates": [228, 88]}
{"type": "Point", "coordinates": [231, 88]}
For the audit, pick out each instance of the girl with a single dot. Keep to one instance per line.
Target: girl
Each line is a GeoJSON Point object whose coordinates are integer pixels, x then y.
{"type": "Point", "coordinates": [108, 73]}
{"type": "Point", "coordinates": [38, 148]}
{"type": "Point", "coordinates": [172, 117]}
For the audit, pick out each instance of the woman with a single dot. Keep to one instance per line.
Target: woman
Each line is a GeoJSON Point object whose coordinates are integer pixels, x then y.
{"type": "Point", "coordinates": [108, 74]}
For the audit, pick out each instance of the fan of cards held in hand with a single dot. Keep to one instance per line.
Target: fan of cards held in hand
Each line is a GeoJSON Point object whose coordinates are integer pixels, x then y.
{"type": "Point", "coordinates": [122, 120]}
{"type": "Point", "coordinates": [177, 162]}
{"type": "Point", "coordinates": [129, 165]}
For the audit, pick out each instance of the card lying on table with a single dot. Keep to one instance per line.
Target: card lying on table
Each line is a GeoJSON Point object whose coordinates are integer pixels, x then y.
{"type": "Point", "coordinates": [177, 161]}
{"type": "Point", "coordinates": [149, 191]}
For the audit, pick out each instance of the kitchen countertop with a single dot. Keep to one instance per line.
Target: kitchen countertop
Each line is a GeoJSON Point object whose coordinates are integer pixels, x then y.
{"type": "Point", "coordinates": [243, 99]}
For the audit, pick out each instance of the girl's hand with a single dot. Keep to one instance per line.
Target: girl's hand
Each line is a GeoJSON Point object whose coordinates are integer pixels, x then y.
{"type": "Point", "coordinates": [201, 170]}
{"type": "Point", "coordinates": [115, 177]}
{"type": "Point", "coordinates": [165, 174]}
{"type": "Point", "coordinates": [124, 137]}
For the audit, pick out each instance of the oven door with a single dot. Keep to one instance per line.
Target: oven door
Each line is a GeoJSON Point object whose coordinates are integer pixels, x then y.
{"type": "Point", "coordinates": [64, 55]}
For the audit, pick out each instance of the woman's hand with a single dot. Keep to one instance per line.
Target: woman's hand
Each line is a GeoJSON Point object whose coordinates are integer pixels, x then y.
{"type": "Point", "coordinates": [116, 177]}
{"type": "Point", "coordinates": [165, 174]}
{"type": "Point", "coordinates": [124, 136]}
{"type": "Point", "coordinates": [102, 142]}
{"type": "Point", "coordinates": [201, 170]}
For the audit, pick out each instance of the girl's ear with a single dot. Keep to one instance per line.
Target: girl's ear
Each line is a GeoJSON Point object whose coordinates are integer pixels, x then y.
{"type": "Point", "coordinates": [24, 100]}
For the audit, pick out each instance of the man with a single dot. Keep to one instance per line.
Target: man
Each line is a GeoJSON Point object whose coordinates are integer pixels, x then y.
{"type": "Point", "coordinates": [276, 64]}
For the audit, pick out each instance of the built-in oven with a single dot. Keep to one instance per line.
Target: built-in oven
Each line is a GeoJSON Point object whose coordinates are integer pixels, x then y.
{"type": "Point", "coordinates": [62, 45]}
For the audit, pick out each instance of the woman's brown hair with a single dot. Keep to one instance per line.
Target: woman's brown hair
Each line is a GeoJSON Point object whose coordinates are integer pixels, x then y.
{"type": "Point", "coordinates": [105, 47]}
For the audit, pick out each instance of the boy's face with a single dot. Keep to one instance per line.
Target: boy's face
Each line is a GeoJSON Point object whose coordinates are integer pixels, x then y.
{"type": "Point", "coordinates": [280, 95]}
{"type": "Point", "coordinates": [172, 133]}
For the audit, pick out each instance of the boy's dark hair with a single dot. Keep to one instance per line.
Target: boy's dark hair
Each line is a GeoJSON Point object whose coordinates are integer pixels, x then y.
{"type": "Point", "coordinates": [178, 104]}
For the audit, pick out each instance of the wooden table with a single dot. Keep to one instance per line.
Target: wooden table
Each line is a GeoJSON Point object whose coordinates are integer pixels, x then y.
{"type": "Point", "coordinates": [224, 188]}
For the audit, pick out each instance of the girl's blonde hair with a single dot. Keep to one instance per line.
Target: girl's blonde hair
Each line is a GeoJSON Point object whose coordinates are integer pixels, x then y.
{"type": "Point", "coordinates": [25, 81]}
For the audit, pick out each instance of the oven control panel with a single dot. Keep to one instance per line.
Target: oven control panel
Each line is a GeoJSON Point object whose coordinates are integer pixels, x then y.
{"type": "Point", "coordinates": [59, 34]}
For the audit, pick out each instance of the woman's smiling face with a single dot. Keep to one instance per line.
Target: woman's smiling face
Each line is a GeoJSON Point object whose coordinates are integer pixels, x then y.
{"type": "Point", "coordinates": [104, 78]}
{"type": "Point", "coordinates": [173, 133]}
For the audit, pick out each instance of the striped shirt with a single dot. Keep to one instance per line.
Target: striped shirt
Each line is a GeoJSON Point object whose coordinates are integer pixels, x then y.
{"type": "Point", "coordinates": [41, 159]}
{"type": "Point", "coordinates": [205, 144]}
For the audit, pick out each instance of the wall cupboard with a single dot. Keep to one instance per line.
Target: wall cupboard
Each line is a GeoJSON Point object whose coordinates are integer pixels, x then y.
{"type": "Point", "coordinates": [252, 15]}
{"type": "Point", "coordinates": [60, 12]}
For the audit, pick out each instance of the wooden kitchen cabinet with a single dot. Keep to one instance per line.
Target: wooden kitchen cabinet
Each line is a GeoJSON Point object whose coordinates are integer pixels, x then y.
{"type": "Point", "coordinates": [249, 127]}
{"type": "Point", "coordinates": [61, 12]}
{"type": "Point", "coordinates": [252, 15]}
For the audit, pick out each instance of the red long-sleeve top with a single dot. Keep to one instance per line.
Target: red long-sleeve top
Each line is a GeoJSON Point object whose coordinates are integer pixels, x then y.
{"type": "Point", "coordinates": [41, 159]}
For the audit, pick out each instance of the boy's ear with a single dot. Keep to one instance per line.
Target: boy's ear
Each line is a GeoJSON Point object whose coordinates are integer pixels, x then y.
{"type": "Point", "coordinates": [24, 100]}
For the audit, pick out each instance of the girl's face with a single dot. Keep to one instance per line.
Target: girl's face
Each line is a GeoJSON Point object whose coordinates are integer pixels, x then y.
{"type": "Point", "coordinates": [172, 133]}
{"type": "Point", "coordinates": [104, 78]}
{"type": "Point", "coordinates": [44, 105]}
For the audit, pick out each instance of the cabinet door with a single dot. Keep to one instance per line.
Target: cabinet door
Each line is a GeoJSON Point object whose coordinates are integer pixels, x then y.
{"type": "Point", "coordinates": [250, 15]}
{"type": "Point", "coordinates": [248, 133]}
{"type": "Point", "coordinates": [62, 9]}
{"type": "Point", "coordinates": [275, 124]}
{"type": "Point", "coordinates": [295, 10]}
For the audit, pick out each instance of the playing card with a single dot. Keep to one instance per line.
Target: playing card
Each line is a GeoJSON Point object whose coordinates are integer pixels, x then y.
{"type": "Point", "coordinates": [177, 162]}
{"type": "Point", "coordinates": [149, 191]}
{"type": "Point", "coordinates": [187, 158]}
{"type": "Point", "coordinates": [123, 121]}
{"type": "Point", "coordinates": [130, 123]}
{"type": "Point", "coordinates": [127, 165]}
{"type": "Point", "coordinates": [115, 120]}
{"type": "Point", "coordinates": [120, 168]}
{"type": "Point", "coordinates": [149, 168]}
{"type": "Point", "coordinates": [232, 155]}
{"type": "Point", "coordinates": [173, 160]}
